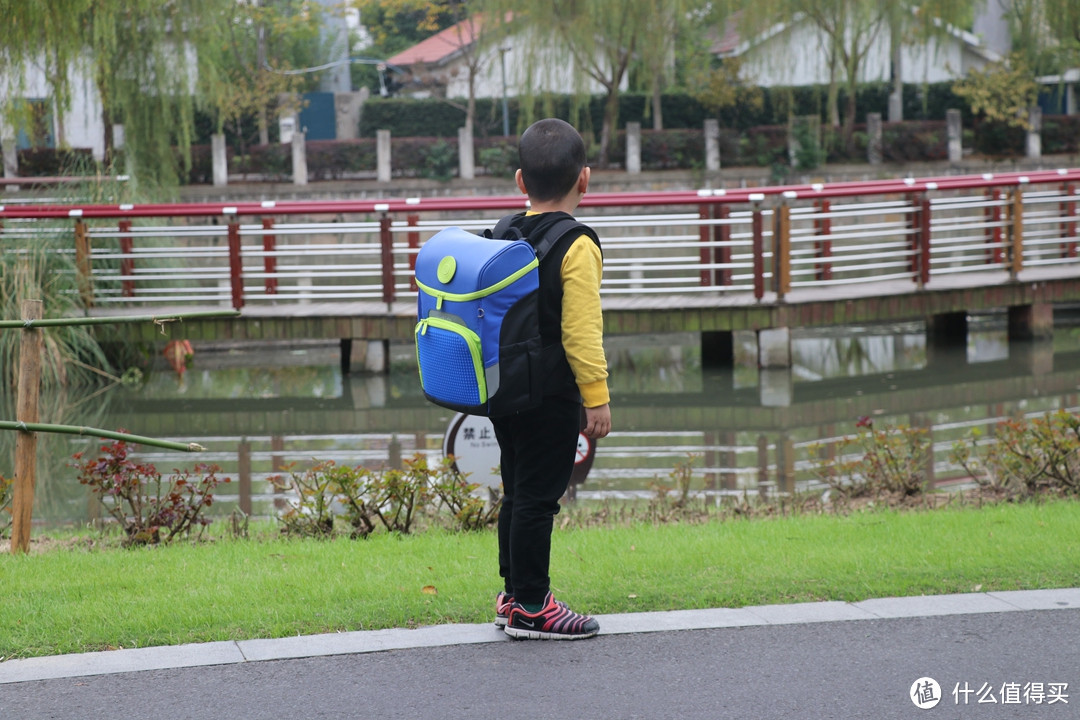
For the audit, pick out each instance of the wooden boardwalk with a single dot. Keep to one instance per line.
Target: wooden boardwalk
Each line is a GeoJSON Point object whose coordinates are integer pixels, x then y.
{"type": "Point", "coordinates": [1037, 289]}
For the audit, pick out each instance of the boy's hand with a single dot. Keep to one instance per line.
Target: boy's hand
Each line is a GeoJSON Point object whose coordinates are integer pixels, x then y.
{"type": "Point", "coordinates": [598, 421]}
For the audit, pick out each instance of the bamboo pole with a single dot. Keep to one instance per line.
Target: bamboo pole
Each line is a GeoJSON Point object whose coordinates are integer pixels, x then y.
{"type": "Point", "coordinates": [95, 432]}
{"type": "Point", "coordinates": [26, 442]}
{"type": "Point", "coordinates": [26, 414]}
{"type": "Point", "coordinates": [159, 319]}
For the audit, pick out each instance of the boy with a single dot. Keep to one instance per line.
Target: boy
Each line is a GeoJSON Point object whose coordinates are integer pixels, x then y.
{"type": "Point", "coordinates": [537, 446]}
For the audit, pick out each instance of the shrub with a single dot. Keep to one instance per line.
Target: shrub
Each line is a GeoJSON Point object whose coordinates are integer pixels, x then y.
{"type": "Point", "coordinates": [1025, 457]}
{"type": "Point", "coordinates": [999, 139]}
{"type": "Point", "coordinates": [440, 161]}
{"type": "Point", "coordinates": [661, 150]}
{"type": "Point", "coordinates": [392, 499]}
{"type": "Point", "coordinates": [499, 159]}
{"type": "Point", "coordinates": [914, 141]}
{"type": "Point", "coordinates": [150, 509]}
{"type": "Point", "coordinates": [6, 497]}
{"type": "Point", "coordinates": [273, 162]}
{"type": "Point", "coordinates": [52, 162]}
{"type": "Point", "coordinates": [889, 461]}
{"type": "Point", "coordinates": [335, 159]}
{"type": "Point", "coordinates": [1061, 134]}
{"type": "Point", "coordinates": [311, 513]}
{"type": "Point", "coordinates": [454, 493]}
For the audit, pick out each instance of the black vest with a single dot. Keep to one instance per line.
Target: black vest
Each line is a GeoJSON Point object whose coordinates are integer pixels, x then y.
{"type": "Point", "coordinates": [558, 377]}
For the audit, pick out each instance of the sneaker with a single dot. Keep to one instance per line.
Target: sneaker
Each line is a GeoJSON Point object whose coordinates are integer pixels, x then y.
{"type": "Point", "coordinates": [554, 622]}
{"type": "Point", "coordinates": [503, 601]}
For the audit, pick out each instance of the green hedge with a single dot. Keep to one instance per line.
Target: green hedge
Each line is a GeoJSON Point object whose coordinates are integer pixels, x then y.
{"type": "Point", "coordinates": [410, 117]}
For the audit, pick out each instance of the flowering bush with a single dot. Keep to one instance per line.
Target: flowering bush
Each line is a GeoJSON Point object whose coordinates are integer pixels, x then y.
{"type": "Point", "coordinates": [149, 508]}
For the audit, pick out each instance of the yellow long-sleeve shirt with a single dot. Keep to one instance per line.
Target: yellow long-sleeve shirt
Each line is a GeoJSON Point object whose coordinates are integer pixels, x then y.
{"type": "Point", "coordinates": [583, 320]}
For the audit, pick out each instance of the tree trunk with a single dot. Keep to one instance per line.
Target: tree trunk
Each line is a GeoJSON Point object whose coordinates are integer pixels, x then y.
{"type": "Point", "coordinates": [849, 119]}
{"type": "Point", "coordinates": [264, 127]}
{"type": "Point", "coordinates": [833, 100]}
{"type": "Point", "coordinates": [260, 60]}
{"type": "Point", "coordinates": [657, 108]}
{"type": "Point", "coordinates": [607, 130]}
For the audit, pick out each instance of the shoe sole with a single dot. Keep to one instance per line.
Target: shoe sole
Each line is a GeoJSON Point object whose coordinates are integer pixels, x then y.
{"type": "Point", "coordinates": [522, 634]}
{"type": "Point", "coordinates": [500, 622]}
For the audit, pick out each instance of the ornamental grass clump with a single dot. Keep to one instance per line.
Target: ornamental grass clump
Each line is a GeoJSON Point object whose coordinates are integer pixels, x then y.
{"type": "Point", "coordinates": [150, 509]}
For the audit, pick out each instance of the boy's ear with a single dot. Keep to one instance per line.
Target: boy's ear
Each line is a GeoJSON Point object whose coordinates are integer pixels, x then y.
{"type": "Point", "coordinates": [583, 179]}
{"type": "Point", "coordinates": [520, 182]}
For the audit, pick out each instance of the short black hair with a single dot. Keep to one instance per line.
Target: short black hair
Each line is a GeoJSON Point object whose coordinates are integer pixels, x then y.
{"type": "Point", "coordinates": [552, 154]}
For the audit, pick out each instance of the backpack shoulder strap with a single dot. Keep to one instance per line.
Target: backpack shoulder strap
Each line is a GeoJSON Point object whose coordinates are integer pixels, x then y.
{"type": "Point", "coordinates": [560, 229]}
{"type": "Point", "coordinates": [504, 230]}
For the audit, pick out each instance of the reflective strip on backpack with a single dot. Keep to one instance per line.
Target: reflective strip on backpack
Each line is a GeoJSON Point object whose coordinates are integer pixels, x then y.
{"type": "Point", "coordinates": [441, 295]}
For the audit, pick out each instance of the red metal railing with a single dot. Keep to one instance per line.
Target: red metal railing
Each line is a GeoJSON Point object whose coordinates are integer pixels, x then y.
{"type": "Point", "coordinates": [743, 240]}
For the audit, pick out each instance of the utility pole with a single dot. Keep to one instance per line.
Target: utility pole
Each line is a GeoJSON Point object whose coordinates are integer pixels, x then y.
{"type": "Point", "coordinates": [335, 38]}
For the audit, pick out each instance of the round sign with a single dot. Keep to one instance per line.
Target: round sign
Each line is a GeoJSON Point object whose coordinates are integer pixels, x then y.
{"type": "Point", "coordinates": [586, 451]}
{"type": "Point", "coordinates": [583, 458]}
{"type": "Point", "coordinates": [471, 440]}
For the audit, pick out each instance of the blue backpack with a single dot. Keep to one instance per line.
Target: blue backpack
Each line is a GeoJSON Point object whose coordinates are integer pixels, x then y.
{"type": "Point", "coordinates": [478, 341]}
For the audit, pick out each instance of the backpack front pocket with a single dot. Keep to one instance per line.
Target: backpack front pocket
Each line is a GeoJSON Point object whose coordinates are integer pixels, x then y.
{"type": "Point", "coordinates": [451, 365]}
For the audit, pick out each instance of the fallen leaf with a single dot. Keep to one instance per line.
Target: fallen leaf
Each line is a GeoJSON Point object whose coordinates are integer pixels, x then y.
{"type": "Point", "coordinates": [632, 596]}
{"type": "Point", "coordinates": [977, 588]}
{"type": "Point", "coordinates": [429, 590]}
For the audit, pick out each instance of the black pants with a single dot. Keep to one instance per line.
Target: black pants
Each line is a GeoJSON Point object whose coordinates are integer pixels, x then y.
{"type": "Point", "coordinates": [537, 456]}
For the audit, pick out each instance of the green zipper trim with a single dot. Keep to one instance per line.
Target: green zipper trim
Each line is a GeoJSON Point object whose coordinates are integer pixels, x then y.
{"type": "Point", "coordinates": [477, 294]}
{"type": "Point", "coordinates": [472, 342]}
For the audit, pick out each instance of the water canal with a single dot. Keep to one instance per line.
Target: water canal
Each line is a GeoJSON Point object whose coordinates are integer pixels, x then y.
{"type": "Point", "coordinates": [258, 409]}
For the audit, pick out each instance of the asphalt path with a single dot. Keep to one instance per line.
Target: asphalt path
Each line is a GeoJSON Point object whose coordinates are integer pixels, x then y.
{"type": "Point", "coordinates": [1022, 663]}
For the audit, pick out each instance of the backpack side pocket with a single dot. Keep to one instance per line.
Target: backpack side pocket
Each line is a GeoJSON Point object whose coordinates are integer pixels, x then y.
{"type": "Point", "coordinates": [451, 366]}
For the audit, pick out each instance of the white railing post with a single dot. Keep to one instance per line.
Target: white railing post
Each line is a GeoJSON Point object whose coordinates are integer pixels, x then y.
{"type": "Point", "coordinates": [633, 148]}
{"type": "Point", "coordinates": [955, 131]}
{"type": "Point", "coordinates": [873, 130]}
{"type": "Point", "coordinates": [299, 158]}
{"type": "Point", "coordinates": [712, 145]}
{"type": "Point", "coordinates": [466, 158]}
{"type": "Point", "coordinates": [220, 160]}
{"type": "Point", "coordinates": [382, 155]}
{"type": "Point", "coordinates": [1033, 146]}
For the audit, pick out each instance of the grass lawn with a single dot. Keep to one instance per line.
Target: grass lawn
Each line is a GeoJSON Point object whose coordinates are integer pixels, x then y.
{"type": "Point", "coordinates": [70, 599]}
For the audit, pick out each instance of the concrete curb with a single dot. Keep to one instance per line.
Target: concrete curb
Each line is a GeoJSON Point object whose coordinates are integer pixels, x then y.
{"type": "Point", "coordinates": [232, 652]}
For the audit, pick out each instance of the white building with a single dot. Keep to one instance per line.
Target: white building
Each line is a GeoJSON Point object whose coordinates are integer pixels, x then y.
{"type": "Point", "coordinates": [797, 53]}
{"type": "Point", "coordinates": [439, 65]}
{"type": "Point", "coordinates": [77, 127]}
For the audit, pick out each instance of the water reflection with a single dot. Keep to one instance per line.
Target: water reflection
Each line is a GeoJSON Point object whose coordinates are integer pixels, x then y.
{"type": "Point", "coordinates": [259, 410]}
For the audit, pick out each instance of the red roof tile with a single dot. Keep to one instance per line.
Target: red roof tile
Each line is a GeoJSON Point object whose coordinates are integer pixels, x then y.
{"type": "Point", "coordinates": [441, 45]}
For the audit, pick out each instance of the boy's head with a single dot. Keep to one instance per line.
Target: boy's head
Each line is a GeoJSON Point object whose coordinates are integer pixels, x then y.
{"type": "Point", "coordinates": [551, 154]}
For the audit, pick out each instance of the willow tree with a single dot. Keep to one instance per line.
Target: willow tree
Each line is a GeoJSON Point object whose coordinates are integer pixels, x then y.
{"type": "Point", "coordinates": [262, 55]}
{"type": "Point", "coordinates": [672, 34]}
{"type": "Point", "coordinates": [1045, 33]}
{"type": "Point", "coordinates": [468, 26]}
{"type": "Point", "coordinates": [592, 42]}
{"type": "Point", "coordinates": [913, 21]}
{"type": "Point", "coordinates": [852, 29]}
{"type": "Point", "coordinates": [142, 56]}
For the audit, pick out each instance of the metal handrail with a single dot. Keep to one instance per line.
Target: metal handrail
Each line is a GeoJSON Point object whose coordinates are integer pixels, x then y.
{"type": "Point", "coordinates": [743, 240]}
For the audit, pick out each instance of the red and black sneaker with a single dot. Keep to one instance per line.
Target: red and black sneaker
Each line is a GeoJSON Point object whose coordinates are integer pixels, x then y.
{"type": "Point", "coordinates": [503, 601]}
{"type": "Point", "coordinates": [555, 621]}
